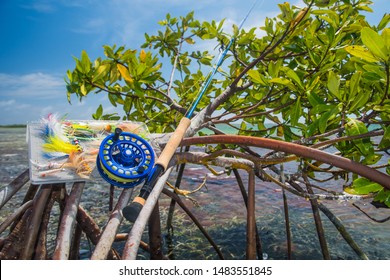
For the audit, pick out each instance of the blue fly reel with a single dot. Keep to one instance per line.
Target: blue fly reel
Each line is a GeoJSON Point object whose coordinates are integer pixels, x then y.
{"type": "Point", "coordinates": [124, 159]}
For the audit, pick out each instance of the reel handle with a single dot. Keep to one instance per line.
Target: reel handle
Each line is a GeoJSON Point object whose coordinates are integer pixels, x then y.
{"type": "Point", "coordinates": [132, 211]}
{"type": "Point", "coordinates": [117, 133]}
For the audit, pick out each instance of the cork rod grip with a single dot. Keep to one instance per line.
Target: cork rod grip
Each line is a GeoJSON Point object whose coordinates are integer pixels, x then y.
{"type": "Point", "coordinates": [173, 143]}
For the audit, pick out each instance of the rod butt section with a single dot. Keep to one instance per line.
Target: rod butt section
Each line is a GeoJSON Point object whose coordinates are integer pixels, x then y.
{"type": "Point", "coordinates": [132, 211]}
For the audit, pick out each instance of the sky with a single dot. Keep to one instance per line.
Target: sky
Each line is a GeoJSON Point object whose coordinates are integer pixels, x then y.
{"type": "Point", "coordinates": [39, 39]}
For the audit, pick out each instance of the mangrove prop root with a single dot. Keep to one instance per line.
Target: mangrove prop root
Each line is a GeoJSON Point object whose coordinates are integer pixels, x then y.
{"type": "Point", "coordinates": [7, 192]}
{"type": "Point", "coordinates": [174, 196]}
{"type": "Point", "coordinates": [92, 230]}
{"type": "Point", "coordinates": [286, 214]}
{"type": "Point", "coordinates": [343, 231]}
{"type": "Point", "coordinates": [13, 244]}
{"type": "Point", "coordinates": [68, 222]}
{"type": "Point", "coordinates": [18, 213]}
{"type": "Point", "coordinates": [287, 225]}
{"type": "Point", "coordinates": [111, 199]}
{"type": "Point", "coordinates": [299, 150]}
{"type": "Point", "coordinates": [123, 237]}
{"type": "Point", "coordinates": [155, 234]}
{"type": "Point", "coordinates": [319, 227]}
{"type": "Point", "coordinates": [132, 244]}
{"type": "Point", "coordinates": [172, 206]}
{"type": "Point", "coordinates": [38, 208]}
{"type": "Point", "coordinates": [371, 218]}
{"type": "Point", "coordinates": [251, 219]}
{"type": "Point", "coordinates": [88, 225]}
{"type": "Point", "coordinates": [245, 198]}
{"type": "Point", "coordinates": [75, 246]}
{"type": "Point", "coordinates": [41, 249]}
{"type": "Point", "coordinates": [31, 191]}
{"type": "Point", "coordinates": [107, 237]}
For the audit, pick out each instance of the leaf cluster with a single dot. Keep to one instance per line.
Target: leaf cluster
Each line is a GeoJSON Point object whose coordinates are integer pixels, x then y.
{"type": "Point", "coordinates": [309, 75]}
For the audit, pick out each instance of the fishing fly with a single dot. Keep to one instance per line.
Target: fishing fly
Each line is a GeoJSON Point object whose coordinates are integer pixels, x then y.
{"type": "Point", "coordinates": [67, 151]}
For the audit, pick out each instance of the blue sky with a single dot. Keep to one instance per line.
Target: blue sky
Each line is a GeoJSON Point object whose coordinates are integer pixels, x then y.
{"type": "Point", "coordinates": [40, 37]}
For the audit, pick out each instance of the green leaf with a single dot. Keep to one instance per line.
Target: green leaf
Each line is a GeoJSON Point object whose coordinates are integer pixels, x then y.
{"type": "Point", "coordinates": [354, 84]}
{"type": "Point", "coordinates": [256, 77]}
{"type": "Point", "coordinates": [108, 51]}
{"type": "Point", "coordinates": [243, 126]}
{"type": "Point", "coordinates": [385, 141]}
{"type": "Point", "coordinates": [361, 52]}
{"type": "Point", "coordinates": [83, 89]}
{"type": "Point", "coordinates": [371, 159]}
{"type": "Point", "coordinates": [377, 69]}
{"type": "Point", "coordinates": [284, 82]}
{"type": "Point", "coordinates": [334, 84]}
{"type": "Point", "coordinates": [101, 72]}
{"type": "Point", "coordinates": [296, 112]}
{"type": "Point", "coordinates": [362, 186]}
{"type": "Point", "coordinates": [325, 117]}
{"type": "Point", "coordinates": [98, 114]}
{"type": "Point", "coordinates": [384, 21]}
{"type": "Point", "coordinates": [314, 99]}
{"type": "Point", "coordinates": [375, 43]}
{"type": "Point", "coordinates": [384, 108]}
{"type": "Point", "coordinates": [388, 167]}
{"type": "Point", "coordinates": [113, 99]}
{"type": "Point", "coordinates": [359, 100]}
{"type": "Point", "coordinates": [383, 196]}
{"type": "Point", "coordinates": [355, 127]}
{"type": "Point", "coordinates": [386, 38]}
{"type": "Point", "coordinates": [128, 105]}
{"type": "Point", "coordinates": [274, 67]}
{"type": "Point", "coordinates": [125, 73]}
{"type": "Point", "coordinates": [85, 62]}
{"type": "Point", "coordinates": [293, 75]}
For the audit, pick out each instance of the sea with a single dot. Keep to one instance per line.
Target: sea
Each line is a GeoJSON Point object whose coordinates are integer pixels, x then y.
{"type": "Point", "coordinates": [221, 210]}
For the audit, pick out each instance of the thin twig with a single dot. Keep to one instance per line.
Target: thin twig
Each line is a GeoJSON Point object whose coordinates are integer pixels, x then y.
{"type": "Point", "coordinates": [18, 213]}
{"type": "Point", "coordinates": [7, 192]}
{"type": "Point", "coordinates": [178, 200]}
{"type": "Point", "coordinates": [343, 231]}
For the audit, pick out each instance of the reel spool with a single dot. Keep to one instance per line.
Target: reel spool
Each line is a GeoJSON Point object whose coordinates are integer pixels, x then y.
{"type": "Point", "coordinates": [124, 159]}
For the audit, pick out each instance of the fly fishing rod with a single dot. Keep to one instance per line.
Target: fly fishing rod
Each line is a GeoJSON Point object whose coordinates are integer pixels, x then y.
{"type": "Point", "coordinates": [132, 211]}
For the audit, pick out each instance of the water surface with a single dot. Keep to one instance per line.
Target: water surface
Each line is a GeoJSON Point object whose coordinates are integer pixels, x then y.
{"type": "Point", "coordinates": [222, 212]}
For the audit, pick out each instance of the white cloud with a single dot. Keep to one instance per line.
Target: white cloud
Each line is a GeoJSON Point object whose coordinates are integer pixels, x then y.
{"type": "Point", "coordinates": [7, 103]}
{"type": "Point", "coordinates": [91, 26]}
{"type": "Point", "coordinates": [49, 6]}
{"type": "Point", "coordinates": [38, 85]}
{"type": "Point", "coordinates": [28, 97]}
{"type": "Point", "coordinates": [40, 6]}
